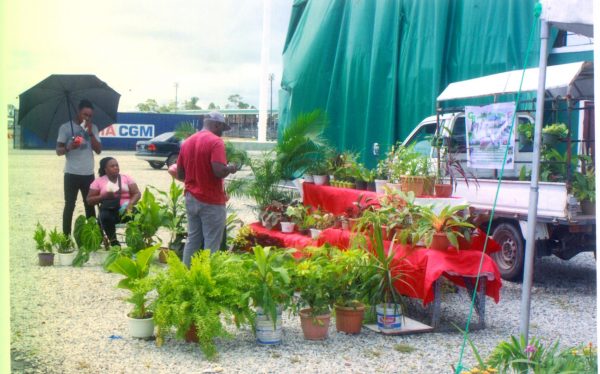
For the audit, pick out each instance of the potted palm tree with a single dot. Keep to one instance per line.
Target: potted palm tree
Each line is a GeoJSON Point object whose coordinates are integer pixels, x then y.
{"type": "Point", "coordinates": [314, 278]}
{"type": "Point", "coordinates": [269, 289]}
{"type": "Point", "coordinates": [45, 255]}
{"type": "Point", "coordinates": [140, 319]}
{"type": "Point", "coordinates": [439, 230]}
{"type": "Point", "coordinates": [382, 274]}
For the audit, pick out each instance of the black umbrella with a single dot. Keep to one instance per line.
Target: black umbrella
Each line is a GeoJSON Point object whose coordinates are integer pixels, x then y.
{"type": "Point", "coordinates": [53, 101]}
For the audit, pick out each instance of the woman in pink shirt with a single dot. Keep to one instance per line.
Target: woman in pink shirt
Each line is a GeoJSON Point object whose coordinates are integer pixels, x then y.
{"type": "Point", "coordinates": [116, 193]}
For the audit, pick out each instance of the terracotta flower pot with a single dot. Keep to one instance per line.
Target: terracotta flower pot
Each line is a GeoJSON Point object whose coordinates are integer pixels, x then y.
{"type": "Point", "coordinates": [443, 190]}
{"type": "Point", "coordinates": [415, 184]}
{"type": "Point", "coordinates": [46, 259]}
{"type": "Point", "coordinates": [349, 319]}
{"type": "Point", "coordinates": [163, 255]}
{"type": "Point", "coordinates": [191, 335]}
{"type": "Point", "coordinates": [439, 241]}
{"type": "Point", "coordinates": [314, 328]}
{"type": "Point", "coordinates": [588, 207]}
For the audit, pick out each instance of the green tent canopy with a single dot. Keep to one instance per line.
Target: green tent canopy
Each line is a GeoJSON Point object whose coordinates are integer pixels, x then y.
{"type": "Point", "coordinates": [376, 67]}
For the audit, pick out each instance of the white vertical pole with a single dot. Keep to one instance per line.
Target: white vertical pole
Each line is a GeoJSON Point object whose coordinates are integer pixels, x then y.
{"type": "Point", "coordinates": [264, 72]}
{"type": "Point", "coordinates": [533, 191]}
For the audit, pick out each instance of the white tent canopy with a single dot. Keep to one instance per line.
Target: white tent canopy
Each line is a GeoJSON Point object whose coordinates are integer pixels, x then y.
{"type": "Point", "coordinates": [571, 15]}
{"type": "Point", "coordinates": [574, 79]}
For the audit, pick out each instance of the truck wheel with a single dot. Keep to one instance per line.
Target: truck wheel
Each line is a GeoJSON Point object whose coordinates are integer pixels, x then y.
{"type": "Point", "coordinates": [511, 256]}
{"type": "Point", "coordinates": [156, 165]}
{"type": "Point", "coordinates": [172, 159]}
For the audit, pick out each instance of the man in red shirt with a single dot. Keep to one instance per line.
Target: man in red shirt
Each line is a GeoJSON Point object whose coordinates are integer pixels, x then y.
{"type": "Point", "coordinates": [202, 166]}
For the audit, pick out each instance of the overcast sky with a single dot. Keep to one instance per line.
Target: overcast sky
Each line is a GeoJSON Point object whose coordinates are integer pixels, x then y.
{"type": "Point", "coordinates": [141, 48]}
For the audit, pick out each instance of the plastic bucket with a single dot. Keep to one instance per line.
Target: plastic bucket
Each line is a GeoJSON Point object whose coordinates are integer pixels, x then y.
{"type": "Point", "coordinates": [266, 333]}
{"type": "Point", "coordinates": [389, 317]}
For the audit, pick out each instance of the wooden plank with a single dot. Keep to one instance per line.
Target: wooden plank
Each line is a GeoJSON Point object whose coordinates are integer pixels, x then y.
{"type": "Point", "coordinates": [411, 326]}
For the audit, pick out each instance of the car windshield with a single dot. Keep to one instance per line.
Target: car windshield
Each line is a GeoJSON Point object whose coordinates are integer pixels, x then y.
{"type": "Point", "coordinates": [163, 137]}
{"type": "Point", "coordinates": [421, 140]}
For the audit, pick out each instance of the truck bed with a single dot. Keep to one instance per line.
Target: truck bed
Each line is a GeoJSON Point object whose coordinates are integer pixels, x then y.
{"type": "Point", "coordinates": [513, 198]}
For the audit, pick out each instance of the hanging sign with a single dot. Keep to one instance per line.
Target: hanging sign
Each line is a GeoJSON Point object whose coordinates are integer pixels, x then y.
{"type": "Point", "coordinates": [488, 129]}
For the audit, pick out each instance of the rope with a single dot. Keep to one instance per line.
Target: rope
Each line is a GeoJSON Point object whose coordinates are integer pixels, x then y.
{"type": "Point", "coordinates": [537, 12]}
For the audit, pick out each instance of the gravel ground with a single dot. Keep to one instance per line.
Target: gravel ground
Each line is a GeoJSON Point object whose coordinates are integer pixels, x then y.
{"type": "Point", "coordinates": [72, 320]}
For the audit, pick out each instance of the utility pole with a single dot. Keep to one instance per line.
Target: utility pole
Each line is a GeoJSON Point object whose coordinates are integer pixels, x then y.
{"type": "Point", "coordinates": [270, 117]}
{"type": "Point", "coordinates": [176, 87]}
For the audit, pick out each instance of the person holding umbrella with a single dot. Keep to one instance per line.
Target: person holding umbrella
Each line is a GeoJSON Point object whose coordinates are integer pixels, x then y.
{"type": "Point", "coordinates": [78, 141]}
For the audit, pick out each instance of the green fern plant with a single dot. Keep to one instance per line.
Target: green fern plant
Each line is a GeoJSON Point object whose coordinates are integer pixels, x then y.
{"type": "Point", "coordinates": [39, 235]}
{"type": "Point", "coordinates": [213, 287]}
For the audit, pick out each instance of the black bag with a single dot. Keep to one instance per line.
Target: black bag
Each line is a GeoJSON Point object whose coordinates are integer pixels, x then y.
{"type": "Point", "coordinates": [113, 204]}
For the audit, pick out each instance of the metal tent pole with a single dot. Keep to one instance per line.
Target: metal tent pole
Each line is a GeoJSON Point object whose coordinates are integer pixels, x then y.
{"type": "Point", "coordinates": [533, 191]}
{"type": "Point", "coordinates": [597, 154]}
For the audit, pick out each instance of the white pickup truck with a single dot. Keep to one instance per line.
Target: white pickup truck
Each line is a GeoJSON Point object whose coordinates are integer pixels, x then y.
{"type": "Point", "coordinates": [561, 229]}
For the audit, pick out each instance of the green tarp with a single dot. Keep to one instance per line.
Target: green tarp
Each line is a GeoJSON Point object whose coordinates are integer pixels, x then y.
{"type": "Point", "coordinates": [376, 66]}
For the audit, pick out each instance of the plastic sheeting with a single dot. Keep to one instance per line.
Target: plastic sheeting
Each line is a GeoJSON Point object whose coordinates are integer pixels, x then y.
{"type": "Point", "coordinates": [376, 67]}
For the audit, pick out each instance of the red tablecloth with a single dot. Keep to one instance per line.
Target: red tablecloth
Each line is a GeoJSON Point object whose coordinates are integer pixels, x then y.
{"type": "Point", "coordinates": [333, 199]}
{"type": "Point", "coordinates": [424, 266]}
{"type": "Point", "coordinates": [291, 240]}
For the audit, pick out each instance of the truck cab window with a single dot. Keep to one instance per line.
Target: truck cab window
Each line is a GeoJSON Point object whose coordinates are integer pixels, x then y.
{"type": "Point", "coordinates": [458, 139]}
{"type": "Point", "coordinates": [421, 140]}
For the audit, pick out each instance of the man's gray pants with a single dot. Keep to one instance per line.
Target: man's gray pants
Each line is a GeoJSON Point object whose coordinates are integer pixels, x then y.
{"type": "Point", "coordinates": [206, 223]}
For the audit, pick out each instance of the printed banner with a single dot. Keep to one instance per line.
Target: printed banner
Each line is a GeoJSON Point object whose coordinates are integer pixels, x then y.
{"type": "Point", "coordinates": [488, 129]}
{"type": "Point", "coordinates": [124, 130]}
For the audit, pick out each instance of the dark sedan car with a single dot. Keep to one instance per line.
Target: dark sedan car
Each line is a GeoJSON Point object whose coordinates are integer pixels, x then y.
{"type": "Point", "coordinates": [158, 151]}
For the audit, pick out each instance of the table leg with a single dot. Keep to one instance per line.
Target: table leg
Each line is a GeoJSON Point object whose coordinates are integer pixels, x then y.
{"type": "Point", "coordinates": [479, 298]}
{"type": "Point", "coordinates": [437, 302]}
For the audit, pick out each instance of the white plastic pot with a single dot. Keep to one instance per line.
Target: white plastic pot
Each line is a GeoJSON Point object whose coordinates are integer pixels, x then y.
{"type": "Point", "coordinates": [309, 178]}
{"type": "Point", "coordinates": [389, 318]}
{"type": "Point", "coordinates": [320, 180]}
{"type": "Point", "coordinates": [287, 227]}
{"type": "Point", "coordinates": [66, 259]}
{"type": "Point", "coordinates": [98, 257]}
{"type": "Point", "coordinates": [314, 233]}
{"type": "Point", "coordinates": [266, 333]}
{"type": "Point", "coordinates": [379, 184]}
{"type": "Point", "coordinates": [141, 328]}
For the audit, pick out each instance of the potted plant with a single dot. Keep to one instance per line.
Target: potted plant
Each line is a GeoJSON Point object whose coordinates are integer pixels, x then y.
{"type": "Point", "coordinates": [64, 247]}
{"type": "Point", "coordinates": [45, 255]}
{"type": "Point", "coordinates": [197, 301]}
{"type": "Point", "coordinates": [88, 237]}
{"type": "Point", "coordinates": [357, 209]}
{"type": "Point", "coordinates": [144, 223]}
{"type": "Point", "coordinates": [449, 172]}
{"type": "Point", "coordinates": [136, 281]}
{"type": "Point", "coordinates": [525, 131]}
{"type": "Point", "coordinates": [314, 278]}
{"type": "Point", "coordinates": [551, 134]}
{"type": "Point", "coordinates": [268, 284]}
{"type": "Point", "coordinates": [382, 273]}
{"type": "Point", "coordinates": [320, 173]}
{"type": "Point", "coordinates": [441, 230]}
{"type": "Point", "coordinates": [295, 216]}
{"type": "Point", "coordinates": [381, 175]}
{"type": "Point", "coordinates": [272, 215]}
{"type": "Point", "coordinates": [300, 144]}
{"type": "Point", "coordinates": [349, 272]}
{"type": "Point", "coordinates": [408, 168]}
{"type": "Point", "coordinates": [584, 189]}
{"type": "Point", "coordinates": [322, 221]}
{"type": "Point", "coordinates": [174, 219]}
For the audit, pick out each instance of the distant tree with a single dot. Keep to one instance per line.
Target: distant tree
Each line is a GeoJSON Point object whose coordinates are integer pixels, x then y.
{"type": "Point", "coordinates": [170, 107]}
{"type": "Point", "coordinates": [191, 103]}
{"type": "Point", "coordinates": [150, 105]}
{"type": "Point", "coordinates": [235, 101]}
{"type": "Point", "coordinates": [212, 106]}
